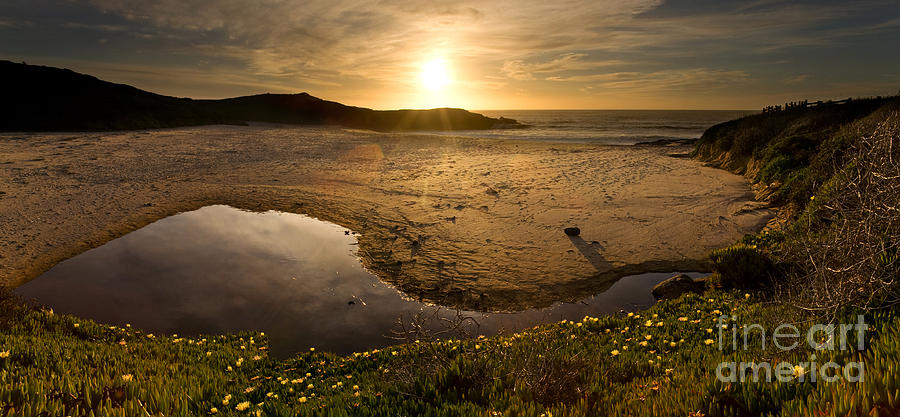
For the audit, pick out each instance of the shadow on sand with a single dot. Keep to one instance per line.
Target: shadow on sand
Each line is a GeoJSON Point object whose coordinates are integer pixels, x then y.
{"type": "Point", "coordinates": [591, 251]}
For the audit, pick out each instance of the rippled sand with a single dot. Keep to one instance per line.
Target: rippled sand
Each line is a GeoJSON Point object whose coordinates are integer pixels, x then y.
{"type": "Point", "coordinates": [456, 221]}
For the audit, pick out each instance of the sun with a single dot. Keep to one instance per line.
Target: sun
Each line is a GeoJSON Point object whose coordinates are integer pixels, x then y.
{"type": "Point", "coordinates": [435, 75]}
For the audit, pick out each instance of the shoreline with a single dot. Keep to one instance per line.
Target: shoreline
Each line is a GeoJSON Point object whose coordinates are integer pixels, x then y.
{"type": "Point", "coordinates": [485, 213]}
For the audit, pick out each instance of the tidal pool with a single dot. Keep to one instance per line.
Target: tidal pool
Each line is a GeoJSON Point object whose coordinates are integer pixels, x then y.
{"type": "Point", "coordinates": [219, 269]}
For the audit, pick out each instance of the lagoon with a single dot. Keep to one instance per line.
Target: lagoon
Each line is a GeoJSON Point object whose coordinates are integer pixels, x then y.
{"type": "Point", "coordinates": [220, 270]}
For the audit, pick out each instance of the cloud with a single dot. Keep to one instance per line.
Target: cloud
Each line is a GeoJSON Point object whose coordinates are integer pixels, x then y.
{"type": "Point", "coordinates": [568, 46]}
{"type": "Point", "coordinates": [377, 40]}
{"type": "Point", "coordinates": [662, 81]}
{"type": "Point", "coordinates": [97, 27]}
{"type": "Point", "coordinates": [797, 79]}
{"type": "Point", "coordinates": [519, 70]}
{"type": "Point", "coordinates": [14, 23]}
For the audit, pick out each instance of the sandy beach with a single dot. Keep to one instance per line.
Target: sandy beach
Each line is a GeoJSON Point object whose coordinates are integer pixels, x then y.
{"type": "Point", "coordinates": [457, 221]}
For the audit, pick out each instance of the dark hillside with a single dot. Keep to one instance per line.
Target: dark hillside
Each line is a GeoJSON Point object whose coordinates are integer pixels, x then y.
{"type": "Point", "coordinates": [46, 98]}
{"type": "Point", "coordinates": [305, 109]}
{"type": "Point", "coordinates": [38, 98]}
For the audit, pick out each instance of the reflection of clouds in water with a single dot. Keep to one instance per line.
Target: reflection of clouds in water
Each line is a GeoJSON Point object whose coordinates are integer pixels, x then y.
{"type": "Point", "coordinates": [219, 269]}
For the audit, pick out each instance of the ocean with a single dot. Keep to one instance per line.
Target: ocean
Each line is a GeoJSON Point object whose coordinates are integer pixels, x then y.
{"type": "Point", "coordinates": [610, 127]}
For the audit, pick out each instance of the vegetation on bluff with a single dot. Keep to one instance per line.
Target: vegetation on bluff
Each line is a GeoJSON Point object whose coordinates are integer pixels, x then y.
{"type": "Point", "coordinates": [832, 171]}
{"type": "Point", "coordinates": [790, 154]}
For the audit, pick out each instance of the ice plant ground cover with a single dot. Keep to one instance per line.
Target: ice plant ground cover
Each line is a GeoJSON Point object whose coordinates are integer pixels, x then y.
{"type": "Point", "coordinates": [659, 361]}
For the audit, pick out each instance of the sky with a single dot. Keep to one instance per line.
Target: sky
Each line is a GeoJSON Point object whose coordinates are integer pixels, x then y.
{"type": "Point", "coordinates": [525, 54]}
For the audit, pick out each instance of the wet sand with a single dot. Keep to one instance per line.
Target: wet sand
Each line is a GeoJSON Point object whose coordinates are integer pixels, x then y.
{"type": "Point", "coordinates": [456, 221]}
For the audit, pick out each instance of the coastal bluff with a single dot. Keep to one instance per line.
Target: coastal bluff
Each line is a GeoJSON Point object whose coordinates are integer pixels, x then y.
{"type": "Point", "coordinates": [41, 98]}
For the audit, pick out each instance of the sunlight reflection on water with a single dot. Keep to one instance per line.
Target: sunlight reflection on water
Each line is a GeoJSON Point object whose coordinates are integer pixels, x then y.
{"type": "Point", "coordinates": [219, 269]}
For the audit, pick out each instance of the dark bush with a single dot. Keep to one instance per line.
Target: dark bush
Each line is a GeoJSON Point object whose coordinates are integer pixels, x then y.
{"type": "Point", "coordinates": [741, 266]}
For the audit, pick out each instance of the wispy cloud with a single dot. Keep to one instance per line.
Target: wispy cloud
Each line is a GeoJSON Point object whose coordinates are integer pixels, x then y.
{"type": "Point", "coordinates": [662, 81]}
{"type": "Point", "coordinates": [13, 23]}
{"type": "Point", "coordinates": [97, 27]}
{"type": "Point", "coordinates": [797, 79]}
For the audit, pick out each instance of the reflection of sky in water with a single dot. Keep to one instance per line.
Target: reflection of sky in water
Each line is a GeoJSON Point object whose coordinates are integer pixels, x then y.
{"type": "Point", "coordinates": [219, 269]}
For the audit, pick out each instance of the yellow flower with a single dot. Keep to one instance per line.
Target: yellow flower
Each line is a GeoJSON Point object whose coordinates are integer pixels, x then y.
{"type": "Point", "coordinates": [213, 410]}
{"type": "Point", "coordinates": [4, 354]}
{"type": "Point", "coordinates": [127, 377]}
{"type": "Point", "coordinates": [310, 386]}
{"type": "Point", "coordinates": [746, 295]}
{"type": "Point", "coordinates": [669, 371]}
{"type": "Point", "coordinates": [709, 330]}
{"type": "Point", "coordinates": [648, 323]}
{"type": "Point", "coordinates": [682, 319]}
{"type": "Point", "coordinates": [394, 353]}
{"type": "Point", "coordinates": [312, 349]}
{"type": "Point", "coordinates": [708, 341]}
{"type": "Point", "coordinates": [630, 314]}
{"type": "Point", "coordinates": [717, 312]}
{"type": "Point", "coordinates": [76, 325]}
{"type": "Point", "coordinates": [242, 406]}
{"type": "Point", "coordinates": [356, 387]}
{"type": "Point", "coordinates": [798, 370]}
{"type": "Point", "coordinates": [302, 400]}
{"type": "Point", "coordinates": [644, 343]}
{"type": "Point", "coordinates": [648, 337]}
{"type": "Point", "coordinates": [672, 344]}
{"type": "Point", "coordinates": [257, 357]}
{"type": "Point", "coordinates": [614, 352]}
{"type": "Point", "coordinates": [249, 390]}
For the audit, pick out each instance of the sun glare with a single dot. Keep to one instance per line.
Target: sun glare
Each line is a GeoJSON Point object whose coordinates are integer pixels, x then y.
{"type": "Point", "coordinates": [435, 75]}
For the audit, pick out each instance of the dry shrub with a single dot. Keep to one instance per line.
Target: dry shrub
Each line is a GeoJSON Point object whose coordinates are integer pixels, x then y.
{"type": "Point", "coordinates": [844, 251]}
